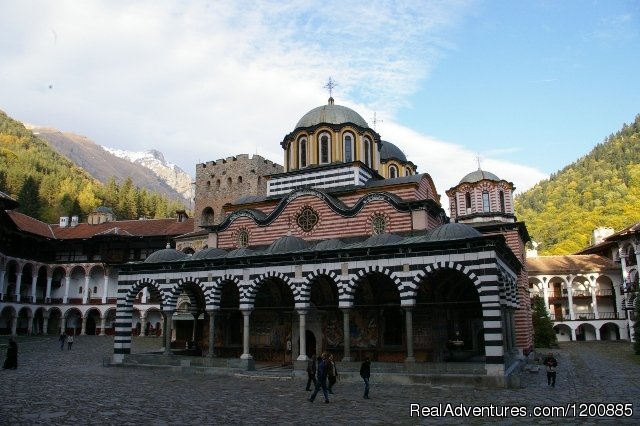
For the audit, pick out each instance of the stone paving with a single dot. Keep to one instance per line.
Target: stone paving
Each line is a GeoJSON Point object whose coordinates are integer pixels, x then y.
{"type": "Point", "coordinates": [58, 387]}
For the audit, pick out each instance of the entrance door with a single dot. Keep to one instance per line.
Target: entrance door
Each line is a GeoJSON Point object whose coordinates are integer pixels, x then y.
{"type": "Point", "coordinates": [311, 344]}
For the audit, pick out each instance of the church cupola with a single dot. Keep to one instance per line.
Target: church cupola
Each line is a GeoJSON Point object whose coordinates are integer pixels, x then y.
{"type": "Point", "coordinates": [481, 196]}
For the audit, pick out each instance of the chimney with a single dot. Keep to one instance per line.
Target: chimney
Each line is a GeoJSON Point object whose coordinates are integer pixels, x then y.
{"type": "Point", "coordinates": [64, 221]}
{"type": "Point", "coordinates": [74, 221]}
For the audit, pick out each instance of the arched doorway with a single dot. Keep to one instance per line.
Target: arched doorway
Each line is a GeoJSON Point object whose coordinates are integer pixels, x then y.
{"type": "Point", "coordinates": [271, 322]}
{"type": "Point", "coordinates": [311, 343]}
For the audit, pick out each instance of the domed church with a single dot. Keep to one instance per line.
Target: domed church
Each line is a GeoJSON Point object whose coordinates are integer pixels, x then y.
{"type": "Point", "coordinates": [344, 249]}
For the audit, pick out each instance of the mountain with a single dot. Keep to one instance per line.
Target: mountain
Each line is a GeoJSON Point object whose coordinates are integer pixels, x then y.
{"type": "Point", "coordinates": [601, 189]}
{"type": "Point", "coordinates": [147, 170]}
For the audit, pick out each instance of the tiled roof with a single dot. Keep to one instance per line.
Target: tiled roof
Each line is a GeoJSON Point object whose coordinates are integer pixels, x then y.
{"type": "Point", "coordinates": [133, 228]}
{"type": "Point", "coordinates": [29, 224]}
{"type": "Point", "coordinates": [569, 263]}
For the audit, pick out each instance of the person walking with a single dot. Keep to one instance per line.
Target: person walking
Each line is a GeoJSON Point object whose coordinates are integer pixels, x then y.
{"type": "Point", "coordinates": [311, 372]}
{"type": "Point", "coordinates": [62, 339]}
{"type": "Point", "coordinates": [365, 373]}
{"type": "Point", "coordinates": [551, 363]}
{"type": "Point", "coordinates": [332, 373]}
{"type": "Point", "coordinates": [69, 342]}
{"type": "Point", "coordinates": [11, 363]}
{"type": "Point", "coordinates": [321, 380]}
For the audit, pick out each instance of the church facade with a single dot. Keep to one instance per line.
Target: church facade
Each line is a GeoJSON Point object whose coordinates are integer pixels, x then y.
{"type": "Point", "coordinates": [347, 250]}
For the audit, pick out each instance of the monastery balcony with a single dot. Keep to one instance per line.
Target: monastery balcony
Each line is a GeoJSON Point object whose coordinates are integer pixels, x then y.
{"type": "Point", "coordinates": [582, 316]}
{"type": "Point", "coordinates": [581, 293]}
{"type": "Point", "coordinates": [533, 294]}
{"type": "Point", "coordinates": [604, 292]}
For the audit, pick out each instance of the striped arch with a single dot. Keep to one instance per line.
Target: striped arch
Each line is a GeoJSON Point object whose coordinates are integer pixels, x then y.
{"type": "Point", "coordinates": [347, 297]}
{"type": "Point", "coordinates": [304, 292]}
{"type": "Point", "coordinates": [124, 313]}
{"type": "Point", "coordinates": [411, 288]}
{"type": "Point", "coordinates": [139, 285]}
{"type": "Point", "coordinates": [251, 291]}
{"type": "Point", "coordinates": [172, 299]}
{"type": "Point", "coordinates": [215, 292]}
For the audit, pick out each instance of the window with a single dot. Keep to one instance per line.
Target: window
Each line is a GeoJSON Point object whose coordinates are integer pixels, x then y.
{"type": "Point", "coordinates": [486, 207]}
{"type": "Point", "coordinates": [324, 149]}
{"type": "Point", "coordinates": [467, 202]}
{"type": "Point", "coordinates": [302, 152]}
{"type": "Point", "coordinates": [367, 152]}
{"type": "Point", "coordinates": [348, 148]}
{"type": "Point", "coordinates": [80, 290]}
{"type": "Point", "coordinates": [378, 224]}
{"type": "Point", "coordinates": [242, 240]}
{"type": "Point", "coordinates": [407, 172]}
{"type": "Point", "coordinates": [502, 205]}
{"type": "Point", "coordinates": [307, 219]}
{"type": "Point", "coordinates": [393, 172]}
{"type": "Point", "coordinates": [239, 179]}
{"type": "Point", "coordinates": [95, 289]}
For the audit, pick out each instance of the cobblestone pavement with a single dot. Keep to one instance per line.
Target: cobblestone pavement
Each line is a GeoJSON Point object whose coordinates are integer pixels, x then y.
{"type": "Point", "coordinates": [52, 386]}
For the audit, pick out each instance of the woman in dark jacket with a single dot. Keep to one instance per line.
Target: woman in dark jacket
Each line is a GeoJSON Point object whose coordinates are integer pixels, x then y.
{"type": "Point", "coordinates": [365, 373]}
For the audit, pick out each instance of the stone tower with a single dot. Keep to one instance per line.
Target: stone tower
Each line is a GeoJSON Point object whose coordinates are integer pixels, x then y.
{"type": "Point", "coordinates": [223, 181]}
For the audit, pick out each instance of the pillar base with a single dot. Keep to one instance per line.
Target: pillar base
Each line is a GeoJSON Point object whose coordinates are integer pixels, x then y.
{"type": "Point", "coordinates": [248, 364]}
{"type": "Point", "coordinates": [346, 359]}
{"type": "Point", "coordinates": [302, 358]}
{"type": "Point", "coordinates": [118, 358]}
{"type": "Point", "coordinates": [410, 359]}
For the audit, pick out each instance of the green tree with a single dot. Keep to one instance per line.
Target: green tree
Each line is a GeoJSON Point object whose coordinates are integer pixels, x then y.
{"type": "Point", "coordinates": [543, 334]}
{"type": "Point", "coordinates": [28, 197]}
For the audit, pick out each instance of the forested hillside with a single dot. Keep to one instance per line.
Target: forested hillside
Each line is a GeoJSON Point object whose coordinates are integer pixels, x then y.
{"type": "Point", "coordinates": [48, 185]}
{"type": "Point", "coordinates": [600, 189]}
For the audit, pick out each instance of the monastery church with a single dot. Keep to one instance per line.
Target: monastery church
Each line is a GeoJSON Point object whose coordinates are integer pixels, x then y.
{"type": "Point", "coordinates": [344, 249]}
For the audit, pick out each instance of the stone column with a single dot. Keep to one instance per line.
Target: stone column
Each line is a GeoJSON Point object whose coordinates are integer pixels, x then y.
{"type": "Point", "coordinates": [346, 331]}
{"type": "Point", "coordinates": [47, 295]}
{"type": "Point", "coordinates": [30, 324]}
{"type": "Point", "coordinates": [573, 335]}
{"type": "Point", "coordinates": [83, 329]}
{"type": "Point", "coordinates": [409, 325]}
{"type": "Point", "coordinates": [594, 299]}
{"type": "Point", "coordinates": [85, 293]}
{"type": "Point", "coordinates": [570, 296]}
{"type": "Point", "coordinates": [545, 296]}
{"type": "Point", "coordinates": [302, 316]}
{"type": "Point", "coordinates": [2, 273]}
{"type": "Point", "coordinates": [18, 285]}
{"type": "Point", "coordinates": [167, 331]}
{"type": "Point", "coordinates": [63, 324]}
{"type": "Point", "coordinates": [103, 325]}
{"type": "Point", "coordinates": [212, 332]}
{"type": "Point", "coordinates": [34, 282]}
{"type": "Point", "coordinates": [67, 283]}
{"type": "Point", "coordinates": [45, 324]}
{"type": "Point", "coordinates": [597, 333]}
{"type": "Point", "coordinates": [246, 313]}
{"type": "Point", "coordinates": [105, 288]}
{"type": "Point", "coordinates": [14, 325]}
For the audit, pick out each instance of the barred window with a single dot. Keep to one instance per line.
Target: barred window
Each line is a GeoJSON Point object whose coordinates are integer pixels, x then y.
{"type": "Point", "coordinates": [378, 224]}
{"type": "Point", "coordinates": [307, 219]}
{"type": "Point", "coordinates": [242, 240]}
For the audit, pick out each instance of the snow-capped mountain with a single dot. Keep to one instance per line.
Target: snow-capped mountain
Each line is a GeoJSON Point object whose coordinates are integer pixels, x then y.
{"type": "Point", "coordinates": [154, 160]}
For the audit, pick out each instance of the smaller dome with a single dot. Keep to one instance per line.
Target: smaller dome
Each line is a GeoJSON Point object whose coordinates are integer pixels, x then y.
{"type": "Point", "coordinates": [240, 252]}
{"type": "Point", "coordinates": [209, 253]}
{"type": "Point", "coordinates": [390, 151]}
{"type": "Point", "coordinates": [328, 245]}
{"type": "Point", "coordinates": [287, 244]}
{"type": "Point", "coordinates": [453, 231]}
{"type": "Point", "coordinates": [381, 240]}
{"type": "Point", "coordinates": [479, 175]}
{"type": "Point", "coordinates": [165, 255]}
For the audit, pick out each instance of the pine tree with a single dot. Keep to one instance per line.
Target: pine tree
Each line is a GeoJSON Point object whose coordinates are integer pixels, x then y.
{"type": "Point", "coordinates": [28, 197]}
{"type": "Point", "coordinates": [543, 334]}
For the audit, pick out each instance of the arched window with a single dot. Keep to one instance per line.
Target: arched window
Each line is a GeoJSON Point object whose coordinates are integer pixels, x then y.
{"type": "Point", "coordinates": [242, 239]}
{"type": "Point", "coordinates": [407, 171]}
{"type": "Point", "coordinates": [302, 152]}
{"type": "Point", "coordinates": [486, 207]}
{"type": "Point", "coordinates": [393, 172]}
{"type": "Point", "coordinates": [324, 149]}
{"type": "Point", "coordinates": [502, 205]}
{"type": "Point", "coordinates": [467, 202]}
{"type": "Point", "coordinates": [348, 148]}
{"type": "Point", "coordinates": [367, 152]}
{"type": "Point", "coordinates": [378, 224]}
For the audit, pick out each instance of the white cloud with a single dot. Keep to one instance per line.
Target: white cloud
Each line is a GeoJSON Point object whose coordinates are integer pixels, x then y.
{"type": "Point", "coordinates": [205, 80]}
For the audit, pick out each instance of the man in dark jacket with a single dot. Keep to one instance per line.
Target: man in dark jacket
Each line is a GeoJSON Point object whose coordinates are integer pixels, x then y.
{"type": "Point", "coordinates": [365, 373]}
{"type": "Point", "coordinates": [322, 379]}
{"type": "Point", "coordinates": [551, 363]}
{"type": "Point", "coordinates": [311, 372]}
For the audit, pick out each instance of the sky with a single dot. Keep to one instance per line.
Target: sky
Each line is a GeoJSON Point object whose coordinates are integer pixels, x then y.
{"type": "Point", "coordinates": [522, 87]}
